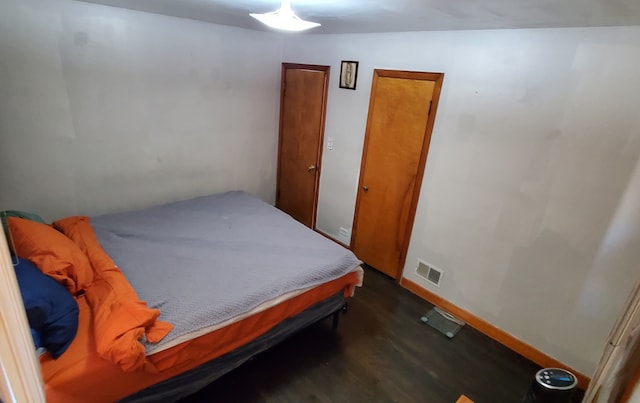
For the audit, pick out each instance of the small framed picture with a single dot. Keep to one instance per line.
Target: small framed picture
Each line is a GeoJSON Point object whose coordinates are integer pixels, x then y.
{"type": "Point", "coordinates": [348, 74]}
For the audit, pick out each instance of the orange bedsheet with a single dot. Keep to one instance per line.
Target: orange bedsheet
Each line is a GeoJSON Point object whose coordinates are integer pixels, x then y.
{"type": "Point", "coordinates": [120, 318]}
{"type": "Point", "coordinates": [80, 375]}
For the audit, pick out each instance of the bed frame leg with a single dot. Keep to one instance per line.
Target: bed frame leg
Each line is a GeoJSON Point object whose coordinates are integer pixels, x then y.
{"type": "Point", "coordinates": [336, 316]}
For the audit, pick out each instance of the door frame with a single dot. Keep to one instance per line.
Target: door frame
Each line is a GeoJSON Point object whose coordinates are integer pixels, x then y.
{"type": "Point", "coordinates": [437, 78]}
{"type": "Point", "coordinates": [326, 70]}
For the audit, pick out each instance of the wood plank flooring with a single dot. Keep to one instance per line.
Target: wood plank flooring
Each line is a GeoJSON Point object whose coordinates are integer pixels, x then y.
{"type": "Point", "coordinates": [381, 352]}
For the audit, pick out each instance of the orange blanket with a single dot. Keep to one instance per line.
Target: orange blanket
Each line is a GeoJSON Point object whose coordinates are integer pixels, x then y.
{"type": "Point", "coordinates": [80, 375]}
{"type": "Point", "coordinates": [120, 319]}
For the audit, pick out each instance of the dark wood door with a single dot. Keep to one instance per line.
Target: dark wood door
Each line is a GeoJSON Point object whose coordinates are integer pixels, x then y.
{"type": "Point", "coordinates": [397, 138]}
{"type": "Point", "coordinates": [302, 112]}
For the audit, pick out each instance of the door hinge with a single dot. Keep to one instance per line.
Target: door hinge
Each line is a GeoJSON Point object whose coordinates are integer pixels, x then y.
{"type": "Point", "coordinates": [429, 112]}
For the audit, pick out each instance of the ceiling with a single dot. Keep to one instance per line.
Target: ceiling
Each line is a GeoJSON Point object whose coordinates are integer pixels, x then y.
{"type": "Point", "coordinates": [354, 16]}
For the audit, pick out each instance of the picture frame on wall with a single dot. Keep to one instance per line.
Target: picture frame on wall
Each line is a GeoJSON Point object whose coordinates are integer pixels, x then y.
{"type": "Point", "coordinates": [348, 74]}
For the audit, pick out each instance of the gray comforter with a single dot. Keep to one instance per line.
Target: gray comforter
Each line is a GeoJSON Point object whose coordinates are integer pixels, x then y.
{"type": "Point", "coordinates": [206, 260]}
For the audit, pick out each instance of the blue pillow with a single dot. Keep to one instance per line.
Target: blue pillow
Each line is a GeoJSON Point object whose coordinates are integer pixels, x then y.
{"type": "Point", "coordinates": [51, 310]}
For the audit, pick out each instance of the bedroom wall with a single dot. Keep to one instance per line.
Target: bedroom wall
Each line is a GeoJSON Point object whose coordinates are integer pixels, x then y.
{"type": "Point", "coordinates": [530, 197]}
{"type": "Point", "coordinates": [105, 109]}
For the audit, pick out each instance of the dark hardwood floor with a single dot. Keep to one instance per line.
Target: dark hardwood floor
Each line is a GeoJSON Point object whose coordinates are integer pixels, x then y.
{"type": "Point", "coordinates": [381, 352]}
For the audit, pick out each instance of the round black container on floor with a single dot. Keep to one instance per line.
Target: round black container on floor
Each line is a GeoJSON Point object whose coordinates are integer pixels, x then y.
{"type": "Point", "coordinates": [552, 385]}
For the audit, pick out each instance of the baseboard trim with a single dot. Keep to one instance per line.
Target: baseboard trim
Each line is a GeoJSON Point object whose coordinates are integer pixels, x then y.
{"type": "Point", "coordinates": [490, 330]}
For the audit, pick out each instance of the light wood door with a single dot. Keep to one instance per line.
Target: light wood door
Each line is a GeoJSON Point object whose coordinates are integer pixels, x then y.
{"type": "Point", "coordinates": [401, 112]}
{"type": "Point", "coordinates": [302, 112]}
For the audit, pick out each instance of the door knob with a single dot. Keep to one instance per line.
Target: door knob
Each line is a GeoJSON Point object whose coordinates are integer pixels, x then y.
{"type": "Point", "coordinates": [365, 188]}
{"type": "Point", "coordinates": [311, 168]}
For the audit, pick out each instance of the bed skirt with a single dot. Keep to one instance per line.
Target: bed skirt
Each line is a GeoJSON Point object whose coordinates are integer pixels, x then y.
{"type": "Point", "coordinates": [193, 380]}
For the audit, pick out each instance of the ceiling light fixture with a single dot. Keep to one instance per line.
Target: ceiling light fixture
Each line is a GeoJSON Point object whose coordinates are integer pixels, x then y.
{"type": "Point", "coordinates": [285, 19]}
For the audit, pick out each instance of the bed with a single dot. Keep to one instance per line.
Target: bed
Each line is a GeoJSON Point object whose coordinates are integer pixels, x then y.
{"type": "Point", "coordinates": [174, 296]}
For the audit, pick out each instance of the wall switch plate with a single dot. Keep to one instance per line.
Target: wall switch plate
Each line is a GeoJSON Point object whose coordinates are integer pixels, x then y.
{"type": "Point", "coordinates": [330, 142]}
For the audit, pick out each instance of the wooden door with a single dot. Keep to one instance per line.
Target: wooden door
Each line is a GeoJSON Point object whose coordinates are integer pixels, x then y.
{"type": "Point", "coordinates": [302, 111]}
{"type": "Point", "coordinates": [401, 115]}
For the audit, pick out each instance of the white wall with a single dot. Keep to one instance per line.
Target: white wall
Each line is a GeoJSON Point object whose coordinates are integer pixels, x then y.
{"type": "Point", "coordinates": [531, 194]}
{"type": "Point", "coordinates": [105, 109]}
{"type": "Point", "coordinates": [530, 197]}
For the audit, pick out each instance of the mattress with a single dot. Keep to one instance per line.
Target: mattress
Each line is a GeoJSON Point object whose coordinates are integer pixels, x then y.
{"type": "Point", "coordinates": [197, 378]}
{"type": "Point", "coordinates": [208, 262]}
{"type": "Point", "coordinates": [80, 375]}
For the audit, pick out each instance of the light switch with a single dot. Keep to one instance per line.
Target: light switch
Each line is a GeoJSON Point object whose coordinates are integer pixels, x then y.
{"type": "Point", "coordinates": [330, 143]}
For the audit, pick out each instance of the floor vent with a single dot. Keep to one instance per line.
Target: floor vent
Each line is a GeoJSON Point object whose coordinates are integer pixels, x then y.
{"type": "Point", "coordinates": [429, 273]}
